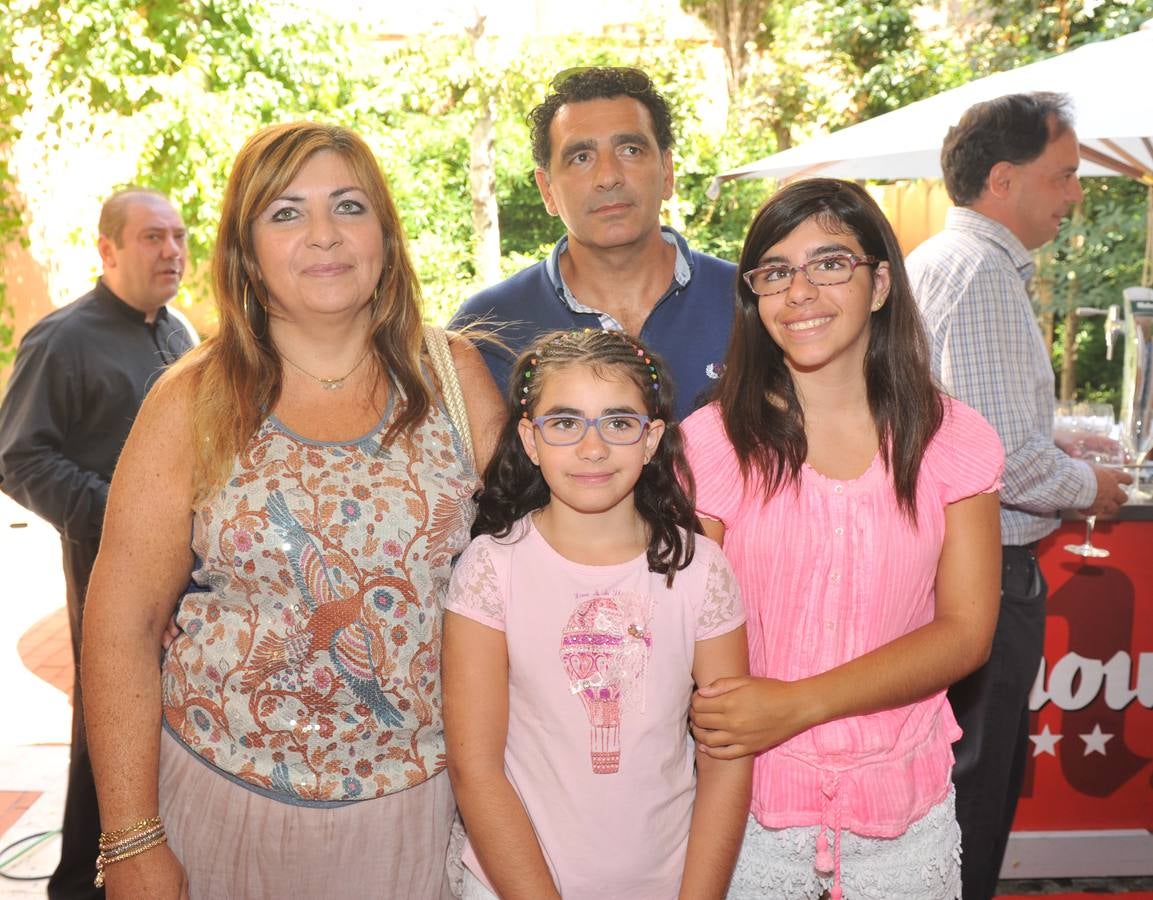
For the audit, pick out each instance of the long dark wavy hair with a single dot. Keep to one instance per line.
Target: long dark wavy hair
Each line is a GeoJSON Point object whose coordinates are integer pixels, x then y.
{"type": "Point", "coordinates": [758, 400]}
{"type": "Point", "coordinates": [514, 487]}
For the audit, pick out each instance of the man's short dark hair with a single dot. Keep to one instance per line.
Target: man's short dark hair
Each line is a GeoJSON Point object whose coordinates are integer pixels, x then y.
{"type": "Point", "coordinates": [1015, 128]}
{"type": "Point", "coordinates": [598, 83]}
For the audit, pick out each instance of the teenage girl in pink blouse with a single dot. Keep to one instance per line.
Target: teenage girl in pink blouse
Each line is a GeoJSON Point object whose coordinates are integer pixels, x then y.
{"type": "Point", "coordinates": [859, 510]}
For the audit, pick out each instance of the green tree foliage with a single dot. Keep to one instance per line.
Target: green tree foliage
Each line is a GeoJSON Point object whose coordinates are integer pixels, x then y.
{"type": "Point", "coordinates": [739, 27]}
{"type": "Point", "coordinates": [877, 49]}
{"type": "Point", "coordinates": [813, 66]}
{"type": "Point", "coordinates": [428, 166]}
{"type": "Point", "coordinates": [1101, 252]}
{"type": "Point", "coordinates": [1009, 33]}
{"type": "Point", "coordinates": [1097, 256]}
{"type": "Point", "coordinates": [14, 77]}
{"type": "Point", "coordinates": [829, 63]}
{"type": "Point", "coordinates": [199, 76]}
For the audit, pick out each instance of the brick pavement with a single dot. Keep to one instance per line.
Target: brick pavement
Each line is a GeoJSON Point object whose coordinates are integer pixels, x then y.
{"type": "Point", "coordinates": [35, 693]}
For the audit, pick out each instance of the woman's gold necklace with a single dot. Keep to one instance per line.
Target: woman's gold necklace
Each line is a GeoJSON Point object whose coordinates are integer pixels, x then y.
{"type": "Point", "coordinates": [329, 384]}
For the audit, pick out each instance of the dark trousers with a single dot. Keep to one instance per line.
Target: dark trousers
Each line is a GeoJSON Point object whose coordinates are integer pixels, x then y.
{"type": "Point", "coordinates": [992, 707]}
{"type": "Point", "coordinates": [80, 836]}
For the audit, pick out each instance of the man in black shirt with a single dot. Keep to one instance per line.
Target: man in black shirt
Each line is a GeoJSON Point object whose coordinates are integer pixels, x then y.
{"type": "Point", "coordinates": [80, 376]}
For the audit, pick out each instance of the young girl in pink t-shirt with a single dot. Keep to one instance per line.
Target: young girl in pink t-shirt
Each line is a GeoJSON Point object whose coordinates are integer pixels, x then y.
{"type": "Point", "coordinates": [859, 510]}
{"type": "Point", "coordinates": [577, 623]}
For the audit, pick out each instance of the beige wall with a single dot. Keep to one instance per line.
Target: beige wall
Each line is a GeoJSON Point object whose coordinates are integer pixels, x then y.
{"type": "Point", "coordinates": [27, 293]}
{"type": "Point", "coordinates": [27, 288]}
{"type": "Point", "coordinates": [915, 208]}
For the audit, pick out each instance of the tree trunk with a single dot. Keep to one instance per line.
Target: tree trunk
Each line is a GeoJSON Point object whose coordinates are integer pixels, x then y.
{"type": "Point", "coordinates": [735, 24]}
{"type": "Point", "coordinates": [482, 170]}
{"type": "Point", "coordinates": [482, 182]}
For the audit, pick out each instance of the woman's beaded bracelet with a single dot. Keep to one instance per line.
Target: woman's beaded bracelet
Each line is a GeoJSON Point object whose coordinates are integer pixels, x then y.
{"type": "Point", "coordinates": [149, 833]}
{"type": "Point", "coordinates": [111, 837]}
{"type": "Point", "coordinates": [121, 847]}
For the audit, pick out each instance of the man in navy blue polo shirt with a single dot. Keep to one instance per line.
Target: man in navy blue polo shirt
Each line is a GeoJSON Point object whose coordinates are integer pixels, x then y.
{"type": "Point", "coordinates": [602, 143]}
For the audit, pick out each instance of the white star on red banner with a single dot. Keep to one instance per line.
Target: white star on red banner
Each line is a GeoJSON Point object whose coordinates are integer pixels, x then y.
{"type": "Point", "coordinates": [1095, 741]}
{"type": "Point", "coordinates": [1045, 742]}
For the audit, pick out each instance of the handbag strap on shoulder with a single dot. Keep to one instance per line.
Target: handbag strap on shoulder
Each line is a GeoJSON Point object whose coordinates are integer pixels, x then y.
{"type": "Point", "coordinates": [436, 340]}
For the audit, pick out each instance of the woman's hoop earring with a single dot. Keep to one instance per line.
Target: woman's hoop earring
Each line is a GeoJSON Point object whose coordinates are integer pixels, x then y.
{"type": "Point", "coordinates": [250, 314]}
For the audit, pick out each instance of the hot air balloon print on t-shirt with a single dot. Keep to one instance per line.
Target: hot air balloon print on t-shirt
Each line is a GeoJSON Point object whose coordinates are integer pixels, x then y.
{"type": "Point", "coordinates": [605, 649]}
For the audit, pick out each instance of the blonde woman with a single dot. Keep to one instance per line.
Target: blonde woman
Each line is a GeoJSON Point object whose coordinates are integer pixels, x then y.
{"type": "Point", "coordinates": [292, 745]}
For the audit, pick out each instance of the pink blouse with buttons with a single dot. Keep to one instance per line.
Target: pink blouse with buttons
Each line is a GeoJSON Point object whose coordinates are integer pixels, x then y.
{"type": "Point", "coordinates": [830, 570]}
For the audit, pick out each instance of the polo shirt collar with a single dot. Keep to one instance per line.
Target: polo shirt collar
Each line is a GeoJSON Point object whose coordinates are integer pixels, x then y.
{"type": "Point", "coordinates": [682, 270]}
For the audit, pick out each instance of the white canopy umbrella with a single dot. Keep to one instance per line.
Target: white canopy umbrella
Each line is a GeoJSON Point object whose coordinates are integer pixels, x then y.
{"type": "Point", "coordinates": [1112, 108]}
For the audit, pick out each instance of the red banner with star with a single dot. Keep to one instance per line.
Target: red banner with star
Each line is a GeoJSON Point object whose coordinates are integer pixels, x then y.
{"type": "Point", "coordinates": [1090, 762]}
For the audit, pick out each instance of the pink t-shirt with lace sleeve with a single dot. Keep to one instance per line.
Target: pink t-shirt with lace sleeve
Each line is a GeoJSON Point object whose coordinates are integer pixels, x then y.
{"type": "Point", "coordinates": [830, 570]}
{"type": "Point", "coordinates": [599, 683]}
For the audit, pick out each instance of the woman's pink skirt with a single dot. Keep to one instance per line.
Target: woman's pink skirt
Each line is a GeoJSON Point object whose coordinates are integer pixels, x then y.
{"type": "Point", "coordinates": [235, 843]}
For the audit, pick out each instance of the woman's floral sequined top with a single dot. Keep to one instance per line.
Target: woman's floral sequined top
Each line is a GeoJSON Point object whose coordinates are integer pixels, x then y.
{"type": "Point", "coordinates": [309, 663]}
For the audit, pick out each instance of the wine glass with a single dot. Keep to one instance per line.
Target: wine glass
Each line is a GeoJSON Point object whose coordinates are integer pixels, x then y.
{"type": "Point", "coordinates": [1086, 431]}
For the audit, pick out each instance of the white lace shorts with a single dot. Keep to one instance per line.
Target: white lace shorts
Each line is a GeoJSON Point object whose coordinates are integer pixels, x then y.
{"type": "Point", "coordinates": [924, 863]}
{"type": "Point", "coordinates": [475, 889]}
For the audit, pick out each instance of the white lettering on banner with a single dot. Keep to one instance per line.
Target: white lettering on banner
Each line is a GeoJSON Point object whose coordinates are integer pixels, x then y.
{"type": "Point", "coordinates": [1076, 681]}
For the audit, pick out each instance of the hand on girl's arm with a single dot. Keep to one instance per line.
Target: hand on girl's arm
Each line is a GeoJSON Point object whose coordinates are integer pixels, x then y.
{"type": "Point", "coordinates": [476, 727]}
{"type": "Point", "coordinates": [733, 717]}
{"type": "Point", "coordinates": [721, 806]}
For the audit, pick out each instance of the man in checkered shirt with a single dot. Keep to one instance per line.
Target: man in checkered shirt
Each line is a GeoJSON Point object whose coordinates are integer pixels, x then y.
{"type": "Point", "coordinates": [1010, 167]}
